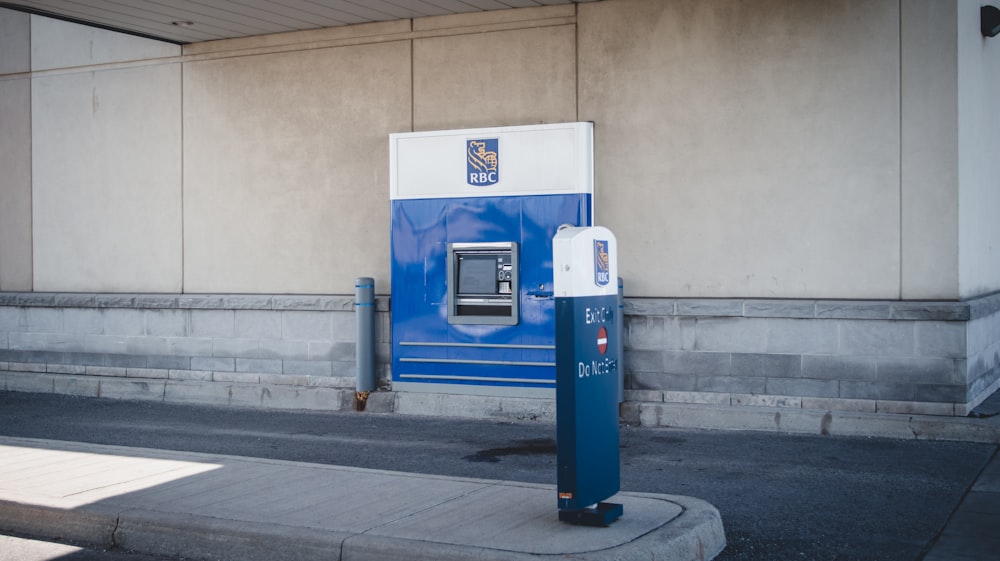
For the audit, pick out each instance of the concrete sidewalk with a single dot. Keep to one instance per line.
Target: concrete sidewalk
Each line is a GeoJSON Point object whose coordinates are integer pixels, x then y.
{"type": "Point", "coordinates": [224, 507]}
{"type": "Point", "coordinates": [973, 532]}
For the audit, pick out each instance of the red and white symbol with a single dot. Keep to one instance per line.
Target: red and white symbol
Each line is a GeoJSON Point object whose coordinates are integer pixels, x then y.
{"type": "Point", "coordinates": [602, 340]}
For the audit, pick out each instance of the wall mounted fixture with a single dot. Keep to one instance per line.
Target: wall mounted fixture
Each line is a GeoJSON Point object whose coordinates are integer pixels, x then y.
{"type": "Point", "coordinates": [989, 17]}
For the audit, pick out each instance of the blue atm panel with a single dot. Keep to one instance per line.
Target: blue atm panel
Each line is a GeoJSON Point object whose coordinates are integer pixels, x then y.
{"type": "Point", "coordinates": [427, 347]}
{"type": "Point", "coordinates": [473, 214]}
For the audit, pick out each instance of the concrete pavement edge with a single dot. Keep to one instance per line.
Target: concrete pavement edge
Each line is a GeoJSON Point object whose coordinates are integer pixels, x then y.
{"type": "Point", "coordinates": [697, 534]}
{"type": "Point", "coordinates": [809, 421]}
{"type": "Point", "coordinates": [94, 527]}
{"type": "Point", "coordinates": [200, 537]}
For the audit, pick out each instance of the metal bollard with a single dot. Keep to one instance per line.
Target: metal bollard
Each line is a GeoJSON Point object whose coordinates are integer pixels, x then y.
{"type": "Point", "coordinates": [364, 309]}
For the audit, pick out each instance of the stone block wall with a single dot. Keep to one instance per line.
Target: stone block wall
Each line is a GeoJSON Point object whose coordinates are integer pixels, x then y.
{"type": "Point", "coordinates": [254, 350]}
{"type": "Point", "coordinates": [984, 346]}
{"type": "Point", "coordinates": [298, 352]}
{"type": "Point", "coordinates": [937, 358]}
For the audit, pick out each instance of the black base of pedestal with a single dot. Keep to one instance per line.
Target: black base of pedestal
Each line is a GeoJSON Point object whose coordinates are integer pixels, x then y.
{"type": "Point", "coordinates": [601, 515]}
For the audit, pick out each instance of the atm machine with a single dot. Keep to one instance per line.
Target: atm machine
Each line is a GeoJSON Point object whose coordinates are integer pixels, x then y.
{"type": "Point", "coordinates": [473, 214]}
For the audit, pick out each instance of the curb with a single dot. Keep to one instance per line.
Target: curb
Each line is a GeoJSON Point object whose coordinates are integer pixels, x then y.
{"type": "Point", "coordinates": [94, 527]}
{"type": "Point", "coordinates": [811, 421]}
{"type": "Point", "coordinates": [643, 413]}
{"type": "Point", "coordinates": [697, 534]}
{"type": "Point", "coordinates": [201, 537]}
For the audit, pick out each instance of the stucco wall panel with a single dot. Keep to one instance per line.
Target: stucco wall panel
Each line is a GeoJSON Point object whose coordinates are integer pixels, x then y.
{"type": "Point", "coordinates": [106, 171]}
{"type": "Point", "coordinates": [929, 136]}
{"type": "Point", "coordinates": [500, 78]}
{"type": "Point", "coordinates": [285, 167]}
{"type": "Point", "coordinates": [15, 42]}
{"type": "Point", "coordinates": [746, 149]}
{"type": "Point", "coordinates": [979, 155]}
{"type": "Point", "coordinates": [61, 44]}
{"type": "Point", "coordinates": [15, 152]}
{"type": "Point", "coordinates": [15, 184]}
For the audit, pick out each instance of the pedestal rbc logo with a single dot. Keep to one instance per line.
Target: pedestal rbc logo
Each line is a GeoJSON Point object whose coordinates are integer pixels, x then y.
{"type": "Point", "coordinates": [602, 267]}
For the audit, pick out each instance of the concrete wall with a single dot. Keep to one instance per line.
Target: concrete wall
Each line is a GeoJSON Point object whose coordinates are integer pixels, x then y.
{"type": "Point", "coordinates": [743, 149]}
{"type": "Point", "coordinates": [983, 375]}
{"type": "Point", "coordinates": [298, 352]}
{"type": "Point", "coordinates": [286, 164]}
{"type": "Point", "coordinates": [929, 157]}
{"type": "Point", "coordinates": [15, 151]}
{"type": "Point", "coordinates": [519, 76]}
{"type": "Point", "coordinates": [747, 148]}
{"type": "Point", "coordinates": [757, 160]}
{"type": "Point", "coordinates": [246, 350]}
{"type": "Point", "coordinates": [979, 154]}
{"type": "Point", "coordinates": [895, 357]}
{"type": "Point", "coordinates": [285, 137]}
{"type": "Point", "coordinates": [106, 160]}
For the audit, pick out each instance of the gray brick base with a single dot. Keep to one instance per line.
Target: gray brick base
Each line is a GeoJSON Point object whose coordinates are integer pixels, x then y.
{"type": "Point", "coordinates": [940, 358]}
{"type": "Point", "coordinates": [250, 350]}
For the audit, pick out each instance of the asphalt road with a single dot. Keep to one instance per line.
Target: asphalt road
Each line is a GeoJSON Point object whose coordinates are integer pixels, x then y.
{"type": "Point", "coordinates": [782, 497]}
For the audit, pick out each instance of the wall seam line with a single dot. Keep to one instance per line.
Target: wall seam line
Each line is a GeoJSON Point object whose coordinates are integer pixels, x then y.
{"type": "Point", "coordinates": [183, 287]}
{"type": "Point", "coordinates": [413, 85]}
{"type": "Point", "coordinates": [902, 226]}
{"type": "Point", "coordinates": [31, 161]}
{"type": "Point", "coordinates": [576, 55]}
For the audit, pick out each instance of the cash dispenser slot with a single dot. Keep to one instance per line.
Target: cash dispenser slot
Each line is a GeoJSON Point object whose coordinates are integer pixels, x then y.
{"type": "Point", "coordinates": [483, 283]}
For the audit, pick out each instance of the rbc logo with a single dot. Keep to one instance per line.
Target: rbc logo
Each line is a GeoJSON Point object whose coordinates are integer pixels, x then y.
{"type": "Point", "coordinates": [482, 163]}
{"type": "Point", "coordinates": [602, 268]}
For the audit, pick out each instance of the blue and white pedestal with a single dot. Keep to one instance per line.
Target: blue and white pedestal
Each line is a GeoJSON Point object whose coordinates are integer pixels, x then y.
{"type": "Point", "coordinates": [588, 330]}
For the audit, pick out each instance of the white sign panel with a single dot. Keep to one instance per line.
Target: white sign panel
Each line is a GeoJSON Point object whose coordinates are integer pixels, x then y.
{"type": "Point", "coordinates": [502, 161]}
{"type": "Point", "coordinates": [585, 262]}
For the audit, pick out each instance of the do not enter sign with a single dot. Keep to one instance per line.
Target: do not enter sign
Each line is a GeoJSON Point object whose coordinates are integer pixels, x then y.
{"type": "Point", "coordinates": [602, 340]}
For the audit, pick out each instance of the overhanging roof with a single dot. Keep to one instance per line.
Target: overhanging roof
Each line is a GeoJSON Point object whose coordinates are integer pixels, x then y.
{"type": "Point", "coordinates": [189, 21]}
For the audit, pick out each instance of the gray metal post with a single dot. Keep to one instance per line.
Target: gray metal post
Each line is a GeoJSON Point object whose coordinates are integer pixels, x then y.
{"type": "Point", "coordinates": [364, 308]}
{"type": "Point", "coordinates": [621, 340]}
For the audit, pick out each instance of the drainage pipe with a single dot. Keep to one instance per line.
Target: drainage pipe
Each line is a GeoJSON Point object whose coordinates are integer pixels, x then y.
{"type": "Point", "coordinates": [364, 311]}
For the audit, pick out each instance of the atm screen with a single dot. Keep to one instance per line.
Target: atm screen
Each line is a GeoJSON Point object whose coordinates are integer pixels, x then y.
{"type": "Point", "coordinates": [477, 274]}
{"type": "Point", "coordinates": [483, 283]}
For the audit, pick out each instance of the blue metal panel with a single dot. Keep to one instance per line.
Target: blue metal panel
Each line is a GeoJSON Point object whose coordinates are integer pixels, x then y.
{"type": "Point", "coordinates": [587, 454]}
{"type": "Point", "coordinates": [425, 347]}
